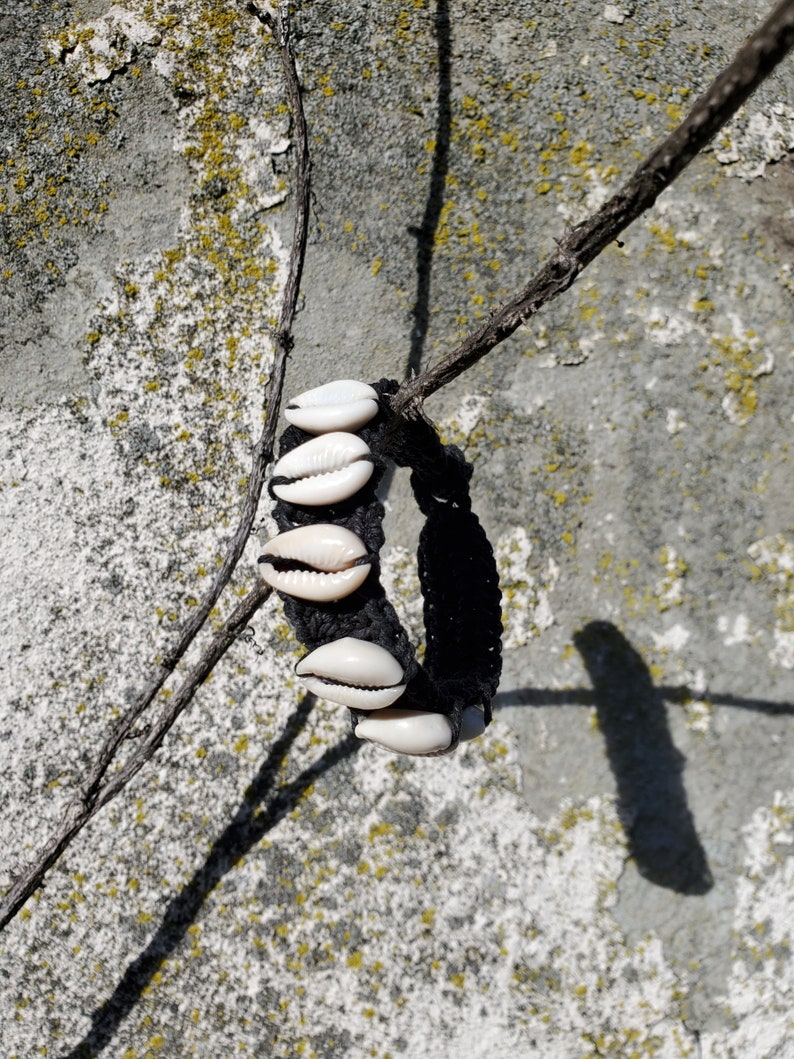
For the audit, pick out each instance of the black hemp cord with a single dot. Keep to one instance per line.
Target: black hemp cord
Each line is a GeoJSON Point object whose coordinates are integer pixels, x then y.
{"type": "Point", "coordinates": [457, 571]}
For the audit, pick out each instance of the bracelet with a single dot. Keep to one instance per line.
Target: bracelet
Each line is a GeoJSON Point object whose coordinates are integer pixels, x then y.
{"type": "Point", "coordinates": [325, 565]}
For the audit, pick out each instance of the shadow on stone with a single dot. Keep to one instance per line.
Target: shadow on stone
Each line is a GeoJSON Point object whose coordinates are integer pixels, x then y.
{"type": "Point", "coordinates": [425, 234]}
{"type": "Point", "coordinates": [648, 768]}
{"type": "Point", "coordinates": [251, 822]}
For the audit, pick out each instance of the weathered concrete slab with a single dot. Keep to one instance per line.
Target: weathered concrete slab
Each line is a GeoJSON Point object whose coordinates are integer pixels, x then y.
{"type": "Point", "coordinates": [607, 871]}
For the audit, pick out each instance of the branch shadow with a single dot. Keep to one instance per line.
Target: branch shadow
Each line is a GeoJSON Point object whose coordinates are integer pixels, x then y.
{"type": "Point", "coordinates": [425, 234]}
{"type": "Point", "coordinates": [251, 822]}
{"type": "Point", "coordinates": [679, 694]}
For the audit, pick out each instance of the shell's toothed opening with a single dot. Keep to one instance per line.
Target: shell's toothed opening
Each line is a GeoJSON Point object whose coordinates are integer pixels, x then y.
{"type": "Point", "coordinates": [321, 475]}
{"type": "Point", "coordinates": [319, 586]}
{"type": "Point", "coordinates": [348, 684]}
{"type": "Point", "coordinates": [367, 699]}
{"type": "Point", "coordinates": [324, 487]}
{"type": "Point", "coordinates": [283, 564]}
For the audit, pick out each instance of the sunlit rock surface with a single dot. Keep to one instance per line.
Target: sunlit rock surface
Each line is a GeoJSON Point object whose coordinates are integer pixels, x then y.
{"type": "Point", "coordinates": [607, 871]}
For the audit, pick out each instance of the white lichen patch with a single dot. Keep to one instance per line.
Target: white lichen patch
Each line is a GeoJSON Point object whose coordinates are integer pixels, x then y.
{"type": "Point", "coordinates": [782, 654]}
{"type": "Point", "coordinates": [736, 630]}
{"type": "Point", "coordinates": [773, 564]}
{"type": "Point", "coordinates": [674, 421]}
{"type": "Point", "coordinates": [698, 708]}
{"type": "Point", "coordinates": [669, 589]}
{"type": "Point", "coordinates": [467, 426]}
{"type": "Point", "coordinates": [761, 982]}
{"type": "Point", "coordinates": [673, 639]}
{"type": "Point", "coordinates": [665, 328]}
{"type": "Point", "coordinates": [466, 416]}
{"type": "Point", "coordinates": [769, 837]}
{"type": "Point", "coordinates": [103, 46]}
{"type": "Point", "coordinates": [699, 715]}
{"type": "Point", "coordinates": [750, 142]}
{"type": "Point", "coordinates": [526, 592]}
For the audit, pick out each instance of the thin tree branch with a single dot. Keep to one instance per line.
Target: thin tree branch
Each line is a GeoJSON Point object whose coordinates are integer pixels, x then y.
{"type": "Point", "coordinates": [754, 61]}
{"type": "Point", "coordinates": [93, 794]}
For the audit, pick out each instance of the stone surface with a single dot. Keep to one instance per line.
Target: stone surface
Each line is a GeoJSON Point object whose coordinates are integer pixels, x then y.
{"type": "Point", "coordinates": [608, 870]}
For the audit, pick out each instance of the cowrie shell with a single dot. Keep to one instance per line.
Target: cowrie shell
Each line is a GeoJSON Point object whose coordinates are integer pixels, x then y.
{"type": "Point", "coordinates": [325, 470]}
{"type": "Point", "coordinates": [472, 723]}
{"type": "Point", "coordinates": [341, 405]}
{"type": "Point", "coordinates": [355, 673]}
{"type": "Point", "coordinates": [407, 731]}
{"type": "Point", "coordinates": [327, 555]}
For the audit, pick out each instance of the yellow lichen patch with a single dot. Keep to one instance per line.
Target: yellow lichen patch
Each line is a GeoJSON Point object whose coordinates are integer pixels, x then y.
{"type": "Point", "coordinates": [742, 361]}
{"type": "Point", "coordinates": [665, 236]}
{"type": "Point", "coordinates": [580, 154]}
{"type": "Point", "coordinates": [380, 830]}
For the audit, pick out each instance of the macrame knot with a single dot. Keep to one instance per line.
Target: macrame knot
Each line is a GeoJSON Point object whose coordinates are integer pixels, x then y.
{"type": "Point", "coordinates": [325, 565]}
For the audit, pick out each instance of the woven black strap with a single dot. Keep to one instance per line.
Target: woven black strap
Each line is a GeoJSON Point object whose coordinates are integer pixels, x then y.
{"type": "Point", "coordinates": [457, 571]}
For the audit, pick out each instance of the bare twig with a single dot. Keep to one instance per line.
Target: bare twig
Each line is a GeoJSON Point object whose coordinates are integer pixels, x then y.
{"type": "Point", "coordinates": [754, 61]}
{"type": "Point", "coordinates": [94, 794]}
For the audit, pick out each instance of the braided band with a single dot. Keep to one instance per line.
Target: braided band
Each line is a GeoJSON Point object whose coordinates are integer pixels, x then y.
{"type": "Point", "coordinates": [332, 546]}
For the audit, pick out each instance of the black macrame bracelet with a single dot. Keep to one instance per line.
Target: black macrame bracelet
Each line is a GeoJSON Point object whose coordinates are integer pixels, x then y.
{"type": "Point", "coordinates": [457, 572]}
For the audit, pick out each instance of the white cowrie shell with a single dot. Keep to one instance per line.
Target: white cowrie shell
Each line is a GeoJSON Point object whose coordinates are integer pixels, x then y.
{"type": "Point", "coordinates": [472, 723]}
{"type": "Point", "coordinates": [325, 470]}
{"type": "Point", "coordinates": [329, 552]}
{"type": "Point", "coordinates": [355, 673]}
{"type": "Point", "coordinates": [341, 405]}
{"type": "Point", "coordinates": [407, 731]}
